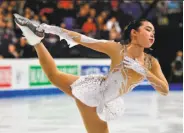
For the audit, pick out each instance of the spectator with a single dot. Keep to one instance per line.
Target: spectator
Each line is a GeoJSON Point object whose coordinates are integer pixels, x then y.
{"type": "Point", "coordinates": [12, 53]}
{"type": "Point", "coordinates": [1, 57]}
{"type": "Point", "coordinates": [20, 6]}
{"type": "Point", "coordinates": [13, 4]}
{"type": "Point", "coordinates": [28, 11]}
{"type": "Point", "coordinates": [104, 33]}
{"type": "Point", "coordinates": [92, 13]}
{"type": "Point", "coordinates": [2, 27]}
{"type": "Point", "coordinates": [82, 16]}
{"type": "Point", "coordinates": [4, 46]}
{"type": "Point", "coordinates": [1, 10]}
{"type": "Point", "coordinates": [114, 4]}
{"type": "Point", "coordinates": [4, 5]}
{"type": "Point", "coordinates": [100, 25]}
{"type": "Point", "coordinates": [36, 19]}
{"type": "Point", "coordinates": [114, 35]}
{"type": "Point", "coordinates": [177, 68]}
{"type": "Point", "coordinates": [104, 14]}
{"type": "Point", "coordinates": [89, 27]}
{"type": "Point", "coordinates": [100, 22]}
{"type": "Point", "coordinates": [112, 23]}
{"type": "Point", "coordinates": [25, 50]}
{"type": "Point", "coordinates": [9, 32]}
{"type": "Point", "coordinates": [9, 17]}
{"type": "Point", "coordinates": [65, 4]}
{"type": "Point", "coordinates": [44, 19]}
{"type": "Point", "coordinates": [9, 9]}
{"type": "Point", "coordinates": [28, 15]}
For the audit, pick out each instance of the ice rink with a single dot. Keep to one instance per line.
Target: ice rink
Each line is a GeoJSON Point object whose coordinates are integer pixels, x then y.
{"type": "Point", "coordinates": [146, 112]}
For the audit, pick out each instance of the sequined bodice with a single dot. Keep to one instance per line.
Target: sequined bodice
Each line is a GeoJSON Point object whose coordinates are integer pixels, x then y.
{"type": "Point", "coordinates": [122, 80]}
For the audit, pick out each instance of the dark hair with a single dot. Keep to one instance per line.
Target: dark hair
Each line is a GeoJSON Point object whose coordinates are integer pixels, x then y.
{"type": "Point", "coordinates": [127, 31]}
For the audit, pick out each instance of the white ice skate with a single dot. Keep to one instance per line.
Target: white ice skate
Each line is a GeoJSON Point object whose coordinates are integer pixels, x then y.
{"type": "Point", "coordinates": [31, 31]}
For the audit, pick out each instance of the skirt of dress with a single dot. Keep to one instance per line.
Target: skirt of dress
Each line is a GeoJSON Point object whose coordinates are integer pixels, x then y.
{"type": "Point", "coordinates": [89, 90]}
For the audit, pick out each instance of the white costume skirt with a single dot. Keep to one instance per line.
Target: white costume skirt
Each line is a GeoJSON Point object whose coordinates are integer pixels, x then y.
{"type": "Point", "coordinates": [90, 91]}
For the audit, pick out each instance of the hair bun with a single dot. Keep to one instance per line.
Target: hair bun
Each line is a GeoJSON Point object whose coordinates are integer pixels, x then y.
{"type": "Point", "coordinates": [127, 30]}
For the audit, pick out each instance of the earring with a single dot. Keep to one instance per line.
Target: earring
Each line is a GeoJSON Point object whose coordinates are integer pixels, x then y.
{"type": "Point", "coordinates": [150, 49]}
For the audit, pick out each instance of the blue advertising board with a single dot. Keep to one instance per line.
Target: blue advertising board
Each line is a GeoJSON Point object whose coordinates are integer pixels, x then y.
{"type": "Point", "coordinates": [94, 69]}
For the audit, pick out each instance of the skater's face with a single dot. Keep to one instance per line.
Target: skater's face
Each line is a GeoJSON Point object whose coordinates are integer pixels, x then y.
{"type": "Point", "coordinates": [144, 35]}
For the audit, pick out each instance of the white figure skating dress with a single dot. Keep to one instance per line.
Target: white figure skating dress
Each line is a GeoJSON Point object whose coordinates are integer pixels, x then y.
{"type": "Point", "coordinates": [104, 92]}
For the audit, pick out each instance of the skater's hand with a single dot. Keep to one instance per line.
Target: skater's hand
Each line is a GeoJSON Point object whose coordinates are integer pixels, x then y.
{"type": "Point", "coordinates": [134, 65]}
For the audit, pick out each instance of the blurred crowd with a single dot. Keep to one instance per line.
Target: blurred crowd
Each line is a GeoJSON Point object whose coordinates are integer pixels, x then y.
{"type": "Point", "coordinates": [100, 20]}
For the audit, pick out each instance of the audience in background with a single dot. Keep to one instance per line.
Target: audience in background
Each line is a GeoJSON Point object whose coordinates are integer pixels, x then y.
{"type": "Point", "coordinates": [101, 20]}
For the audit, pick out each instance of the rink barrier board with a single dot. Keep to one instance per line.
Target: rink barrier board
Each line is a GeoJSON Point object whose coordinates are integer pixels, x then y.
{"type": "Point", "coordinates": [25, 76]}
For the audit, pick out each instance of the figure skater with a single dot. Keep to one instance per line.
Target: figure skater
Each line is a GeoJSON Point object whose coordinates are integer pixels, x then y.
{"type": "Point", "coordinates": [98, 97]}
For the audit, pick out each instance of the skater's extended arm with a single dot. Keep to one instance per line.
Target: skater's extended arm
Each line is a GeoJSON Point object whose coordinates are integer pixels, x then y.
{"type": "Point", "coordinates": [74, 38]}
